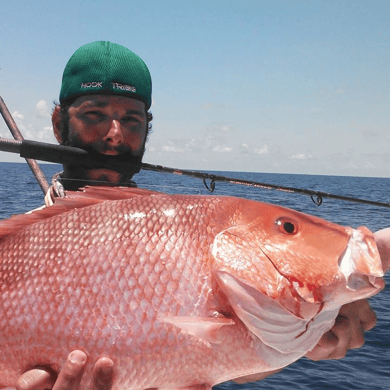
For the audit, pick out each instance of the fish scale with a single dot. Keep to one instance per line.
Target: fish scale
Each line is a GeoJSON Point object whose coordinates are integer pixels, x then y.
{"type": "Point", "coordinates": [180, 291]}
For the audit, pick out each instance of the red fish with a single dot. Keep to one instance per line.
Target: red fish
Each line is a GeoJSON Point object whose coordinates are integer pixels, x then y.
{"type": "Point", "coordinates": [180, 291]}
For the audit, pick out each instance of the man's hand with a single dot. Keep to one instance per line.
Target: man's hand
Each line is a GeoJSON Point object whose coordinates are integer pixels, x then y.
{"type": "Point", "coordinates": [354, 318]}
{"type": "Point", "coordinates": [382, 239]}
{"type": "Point", "coordinates": [70, 375]}
{"type": "Point", "coordinates": [347, 333]}
{"type": "Point", "coordinates": [353, 321]}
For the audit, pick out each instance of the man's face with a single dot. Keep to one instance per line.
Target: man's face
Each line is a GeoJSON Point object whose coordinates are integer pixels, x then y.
{"type": "Point", "coordinates": [110, 126]}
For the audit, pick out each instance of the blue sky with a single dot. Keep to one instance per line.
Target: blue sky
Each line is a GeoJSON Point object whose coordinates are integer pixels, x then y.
{"type": "Point", "coordinates": [244, 85]}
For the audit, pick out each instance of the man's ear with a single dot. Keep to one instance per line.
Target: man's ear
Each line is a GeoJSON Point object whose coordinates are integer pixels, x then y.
{"type": "Point", "coordinates": [56, 121]}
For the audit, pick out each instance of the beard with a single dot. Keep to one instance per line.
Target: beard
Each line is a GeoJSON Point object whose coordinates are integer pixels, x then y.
{"type": "Point", "coordinates": [101, 169]}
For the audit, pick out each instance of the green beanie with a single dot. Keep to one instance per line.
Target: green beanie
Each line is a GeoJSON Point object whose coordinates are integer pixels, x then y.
{"type": "Point", "coordinates": [106, 68]}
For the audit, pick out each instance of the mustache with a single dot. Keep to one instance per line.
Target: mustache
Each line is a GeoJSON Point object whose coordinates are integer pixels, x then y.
{"type": "Point", "coordinates": [125, 161]}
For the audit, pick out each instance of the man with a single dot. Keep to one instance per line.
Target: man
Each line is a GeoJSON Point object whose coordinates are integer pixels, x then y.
{"type": "Point", "coordinates": [104, 102]}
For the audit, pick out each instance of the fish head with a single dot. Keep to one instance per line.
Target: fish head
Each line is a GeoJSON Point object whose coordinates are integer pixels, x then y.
{"type": "Point", "coordinates": [288, 273]}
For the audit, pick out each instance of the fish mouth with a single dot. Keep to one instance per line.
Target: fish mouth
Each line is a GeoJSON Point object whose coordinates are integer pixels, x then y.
{"type": "Point", "coordinates": [298, 316]}
{"type": "Point", "coordinates": [289, 307]}
{"type": "Point", "coordinates": [359, 276]}
{"type": "Point", "coordinates": [296, 298]}
{"type": "Point", "coordinates": [360, 264]}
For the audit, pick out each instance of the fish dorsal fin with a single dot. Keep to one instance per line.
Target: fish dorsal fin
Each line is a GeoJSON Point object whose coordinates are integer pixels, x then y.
{"type": "Point", "coordinates": [73, 200]}
{"type": "Point", "coordinates": [107, 193]}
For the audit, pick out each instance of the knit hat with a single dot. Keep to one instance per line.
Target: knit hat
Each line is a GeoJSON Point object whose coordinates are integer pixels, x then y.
{"type": "Point", "coordinates": [106, 68]}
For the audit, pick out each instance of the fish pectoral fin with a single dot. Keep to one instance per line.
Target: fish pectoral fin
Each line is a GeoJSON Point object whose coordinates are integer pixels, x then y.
{"type": "Point", "coordinates": [204, 328]}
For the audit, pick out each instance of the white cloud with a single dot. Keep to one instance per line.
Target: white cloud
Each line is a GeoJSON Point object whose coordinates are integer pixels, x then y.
{"type": "Point", "coordinates": [208, 106]}
{"type": "Point", "coordinates": [244, 149]}
{"type": "Point", "coordinates": [262, 150]}
{"type": "Point", "coordinates": [205, 144]}
{"type": "Point", "coordinates": [170, 147]}
{"type": "Point", "coordinates": [220, 128]}
{"type": "Point", "coordinates": [43, 110]}
{"type": "Point", "coordinates": [45, 134]}
{"type": "Point", "coordinates": [222, 149]}
{"type": "Point", "coordinates": [371, 133]}
{"type": "Point", "coordinates": [301, 156]}
{"type": "Point", "coordinates": [17, 116]}
{"type": "Point", "coordinates": [33, 131]}
{"type": "Point", "coordinates": [200, 144]}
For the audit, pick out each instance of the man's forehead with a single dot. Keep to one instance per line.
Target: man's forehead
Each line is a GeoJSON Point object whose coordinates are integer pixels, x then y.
{"type": "Point", "coordinates": [108, 100]}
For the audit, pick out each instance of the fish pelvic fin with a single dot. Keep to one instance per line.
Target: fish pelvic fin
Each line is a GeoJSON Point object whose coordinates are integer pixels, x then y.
{"type": "Point", "coordinates": [204, 328]}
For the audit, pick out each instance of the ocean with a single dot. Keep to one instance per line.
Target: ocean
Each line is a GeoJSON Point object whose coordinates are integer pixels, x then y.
{"type": "Point", "coordinates": [365, 368]}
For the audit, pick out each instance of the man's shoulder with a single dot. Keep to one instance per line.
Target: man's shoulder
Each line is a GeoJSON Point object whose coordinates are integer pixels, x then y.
{"type": "Point", "coordinates": [57, 190]}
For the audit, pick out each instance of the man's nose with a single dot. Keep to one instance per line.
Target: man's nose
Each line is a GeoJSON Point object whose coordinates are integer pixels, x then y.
{"type": "Point", "coordinates": [114, 135]}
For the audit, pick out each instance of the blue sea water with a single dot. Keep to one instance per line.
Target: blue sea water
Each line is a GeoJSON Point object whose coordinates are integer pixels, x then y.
{"type": "Point", "coordinates": [366, 368]}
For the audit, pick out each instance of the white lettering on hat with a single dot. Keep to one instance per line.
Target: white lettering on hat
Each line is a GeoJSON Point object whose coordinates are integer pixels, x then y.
{"type": "Point", "coordinates": [93, 84]}
{"type": "Point", "coordinates": [124, 87]}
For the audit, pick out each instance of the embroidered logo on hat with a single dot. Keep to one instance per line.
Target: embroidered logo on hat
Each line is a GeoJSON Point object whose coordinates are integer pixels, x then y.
{"type": "Point", "coordinates": [124, 87]}
{"type": "Point", "coordinates": [94, 84]}
{"type": "Point", "coordinates": [115, 70]}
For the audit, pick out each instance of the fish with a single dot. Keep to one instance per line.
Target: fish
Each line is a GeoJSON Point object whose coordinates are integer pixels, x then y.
{"type": "Point", "coordinates": [180, 291]}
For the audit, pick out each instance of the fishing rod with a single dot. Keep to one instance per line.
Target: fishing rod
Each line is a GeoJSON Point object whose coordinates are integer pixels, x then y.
{"type": "Point", "coordinates": [36, 170]}
{"type": "Point", "coordinates": [68, 154]}
{"type": "Point", "coordinates": [316, 196]}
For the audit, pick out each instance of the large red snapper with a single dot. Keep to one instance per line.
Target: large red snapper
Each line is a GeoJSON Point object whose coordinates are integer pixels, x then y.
{"type": "Point", "coordinates": [178, 290]}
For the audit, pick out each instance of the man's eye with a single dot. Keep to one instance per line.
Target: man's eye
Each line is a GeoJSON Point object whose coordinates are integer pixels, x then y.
{"type": "Point", "coordinates": [129, 119]}
{"type": "Point", "coordinates": [94, 115]}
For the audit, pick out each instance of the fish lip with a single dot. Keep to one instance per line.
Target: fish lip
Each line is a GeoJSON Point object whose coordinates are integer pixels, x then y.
{"type": "Point", "coordinates": [359, 267]}
{"type": "Point", "coordinates": [343, 254]}
{"type": "Point", "coordinates": [360, 263]}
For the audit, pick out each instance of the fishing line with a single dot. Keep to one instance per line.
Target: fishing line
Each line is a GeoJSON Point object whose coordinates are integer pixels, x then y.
{"type": "Point", "coordinates": [316, 196]}
{"type": "Point", "coordinates": [156, 187]}
{"type": "Point", "coordinates": [66, 154]}
{"type": "Point", "coordinates": [159, 186]}
{"type": "Point", "coordinates": [62, 154]}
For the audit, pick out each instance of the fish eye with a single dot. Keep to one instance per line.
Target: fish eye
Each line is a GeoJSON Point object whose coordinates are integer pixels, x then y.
{"type": "Point", "coordinates": [287, 225]}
